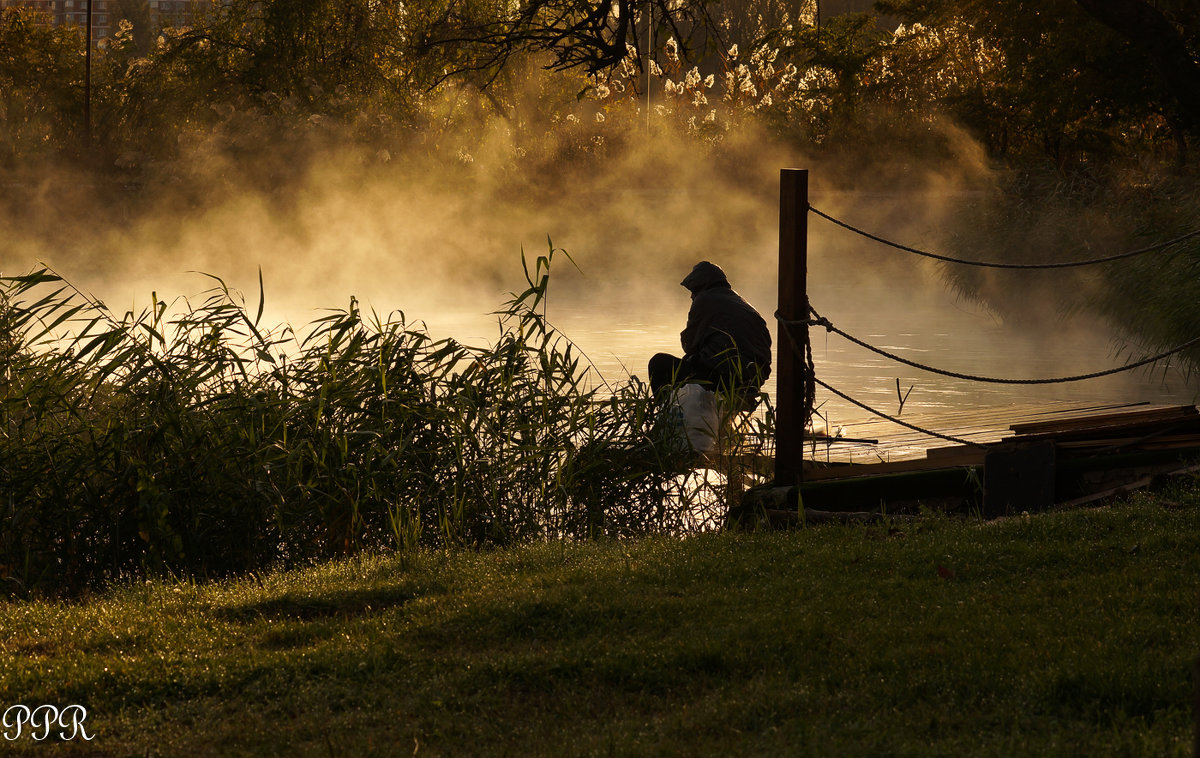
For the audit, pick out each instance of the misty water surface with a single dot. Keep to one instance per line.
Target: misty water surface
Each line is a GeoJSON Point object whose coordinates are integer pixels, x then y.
{"type": "Point", "coordinates": [924, 323]}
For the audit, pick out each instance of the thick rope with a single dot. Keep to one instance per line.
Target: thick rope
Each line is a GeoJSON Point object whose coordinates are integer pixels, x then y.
{"type": "Point", "coordinates": [994, 264]}
{"type": "Point", "coordinates": [787, 330]}
{"type": "Point", "coordinates": [820, 320]}
{"type": "Point", "coordinates": [809, 403]}
{"type": "Point", "coordinates": [808, 399]}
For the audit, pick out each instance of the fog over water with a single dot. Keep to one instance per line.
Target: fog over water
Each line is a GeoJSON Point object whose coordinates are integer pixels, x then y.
{"type": "Point", "coordinates": [440, 238]}
{"type": "Point", "coordinates": [889, 299]}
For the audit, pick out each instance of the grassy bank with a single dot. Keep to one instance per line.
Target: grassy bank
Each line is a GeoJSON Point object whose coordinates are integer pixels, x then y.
{"type": "Point", "coordinates": [1062, 634]}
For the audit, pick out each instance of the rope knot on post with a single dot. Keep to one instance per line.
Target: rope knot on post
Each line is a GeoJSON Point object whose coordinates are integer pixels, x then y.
{"type": "Point", "coordinates": [820, 321]}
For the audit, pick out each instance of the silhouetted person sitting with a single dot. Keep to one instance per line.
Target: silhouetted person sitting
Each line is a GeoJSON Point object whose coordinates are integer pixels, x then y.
{"type": "Point", "coordinates": [726, 345]}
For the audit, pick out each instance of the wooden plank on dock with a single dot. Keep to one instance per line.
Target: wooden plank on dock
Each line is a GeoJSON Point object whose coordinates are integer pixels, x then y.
{"type": "Point", "coordinates": [817, 473]}
{"type": "Point", "coordinates": [949, 456]}
{"type": "Point", "coordinates": [980, 425]}
{"type": "Point", "coordinates": [1108, 421]}
{"type": "Point", "coordinates": [1142, 442]}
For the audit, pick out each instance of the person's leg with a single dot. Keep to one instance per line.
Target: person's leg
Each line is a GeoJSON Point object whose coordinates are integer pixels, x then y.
{"type": "Point", "coordinates": [664, 370]}
{"type": "Point", "coordinates": [692, 371]}
{"type": "Point", "coordinates": [739, 382]}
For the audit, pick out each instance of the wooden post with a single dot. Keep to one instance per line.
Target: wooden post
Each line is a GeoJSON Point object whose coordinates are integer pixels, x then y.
{"type": "Point", "coordinates": [1019, 476]}
{"type": "Point", "coordinates": [1196, 712]}
{"type": "Point", "coordinates": [790, 364]}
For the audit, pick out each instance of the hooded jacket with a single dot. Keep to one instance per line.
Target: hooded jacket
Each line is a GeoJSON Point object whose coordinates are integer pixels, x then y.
{"type": "Point", "coordinates": [722, 328]}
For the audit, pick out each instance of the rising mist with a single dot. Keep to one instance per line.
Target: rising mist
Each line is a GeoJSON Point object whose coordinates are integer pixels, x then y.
{"type": "Point", "coordinates": [431, 219]}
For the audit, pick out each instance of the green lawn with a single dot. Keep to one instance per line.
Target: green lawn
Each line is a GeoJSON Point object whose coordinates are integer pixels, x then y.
{"type": "Point", "coordinates": [1062, 634]}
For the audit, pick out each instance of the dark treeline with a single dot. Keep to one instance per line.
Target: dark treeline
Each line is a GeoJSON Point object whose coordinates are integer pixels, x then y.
{"type": "Point", "coordinates": [1074, 82]}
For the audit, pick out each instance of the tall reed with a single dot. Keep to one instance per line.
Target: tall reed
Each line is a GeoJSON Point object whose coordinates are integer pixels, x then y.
{"type": "Point", "coordinates": [204, 443]}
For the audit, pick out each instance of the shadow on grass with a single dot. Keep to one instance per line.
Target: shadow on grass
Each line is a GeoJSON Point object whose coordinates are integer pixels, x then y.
{"type": "Point", "coordinates": [300, 607]}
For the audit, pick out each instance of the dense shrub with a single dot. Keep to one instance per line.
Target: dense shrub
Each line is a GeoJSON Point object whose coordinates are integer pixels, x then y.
{"type": "Point", "coordinates": [205, 444]}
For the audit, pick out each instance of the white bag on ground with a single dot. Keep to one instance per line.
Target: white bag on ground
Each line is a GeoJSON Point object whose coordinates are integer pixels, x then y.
{"type": "Point", "coordinates": [701, 416]}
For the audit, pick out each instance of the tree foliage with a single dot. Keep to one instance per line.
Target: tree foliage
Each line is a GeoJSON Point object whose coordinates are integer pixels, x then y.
{"type": "Point", "coordinates": [1073, 78]}
{"type": "Point", "coordinates": [1069, 80]}
{"type": "Point", "coordinates": [41, 85]}
{"type": "Point", "coordinates": [1168, 39]}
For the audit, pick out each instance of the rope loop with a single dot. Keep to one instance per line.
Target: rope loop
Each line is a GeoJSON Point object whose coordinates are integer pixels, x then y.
{"type": "Point", "coordinates": [821, 320]}
{"type": "Point", "coordinates": [894, 420]}
{"type": "Point", "coordinates": [787, 330]}
{"type": "Point", "coordinates": [816, 321]}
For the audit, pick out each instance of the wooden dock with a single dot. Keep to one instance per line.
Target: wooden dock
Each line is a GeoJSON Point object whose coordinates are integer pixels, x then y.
{"type": "Point", "coordinates": [878, 440]}
{"type": "Point", "coordinates": [998, 460]}
{"type": "Point", "coordinates": [1019, 460]}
